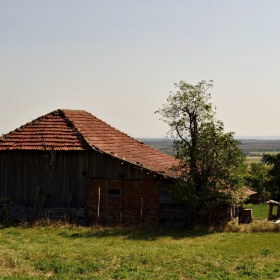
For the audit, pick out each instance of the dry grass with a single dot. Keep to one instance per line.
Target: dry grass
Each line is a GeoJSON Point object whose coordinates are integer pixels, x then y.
{"type": "Point", "coordinates": [255, 226]}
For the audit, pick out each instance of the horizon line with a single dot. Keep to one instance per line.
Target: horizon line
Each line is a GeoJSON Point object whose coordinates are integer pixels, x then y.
{"type": "Point", "coordinates": [238, 137]}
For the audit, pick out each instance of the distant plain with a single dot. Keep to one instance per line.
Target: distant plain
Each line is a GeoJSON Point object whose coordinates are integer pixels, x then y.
{"type": "Point", "coordinates": [252, 148]}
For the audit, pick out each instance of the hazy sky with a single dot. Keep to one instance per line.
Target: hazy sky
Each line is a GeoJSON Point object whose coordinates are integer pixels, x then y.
{"type": "Point", "coordinates": [120, 59]}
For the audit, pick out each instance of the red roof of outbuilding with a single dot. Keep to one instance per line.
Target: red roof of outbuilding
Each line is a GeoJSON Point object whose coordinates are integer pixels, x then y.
{"type": "Point", "coordinates": [248, 191]}
{"type": "Point", "coordinates": [79, 130]}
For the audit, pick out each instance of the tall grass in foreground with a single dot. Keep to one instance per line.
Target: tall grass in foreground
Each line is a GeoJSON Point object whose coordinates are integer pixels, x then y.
{"type": "Point", "coordinates": [65, 252]}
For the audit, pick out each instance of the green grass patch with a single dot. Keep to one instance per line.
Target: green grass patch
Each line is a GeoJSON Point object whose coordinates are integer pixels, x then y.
{"type": "Point", "coordinates": [87, 253]}
{"type": "Point", "coordinates": [260, 211]}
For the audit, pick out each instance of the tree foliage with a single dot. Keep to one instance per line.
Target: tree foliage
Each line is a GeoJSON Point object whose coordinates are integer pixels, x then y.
{"type": "Point", "coordinates": [273, 184]}
{"type": "Point", "coordinates": [210, 158]}
{"type": "Point", "coordinates": [257, 178]}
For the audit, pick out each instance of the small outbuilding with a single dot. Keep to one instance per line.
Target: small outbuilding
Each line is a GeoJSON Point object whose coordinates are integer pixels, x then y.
{"type": "Point", "coordinates": [271, 216]}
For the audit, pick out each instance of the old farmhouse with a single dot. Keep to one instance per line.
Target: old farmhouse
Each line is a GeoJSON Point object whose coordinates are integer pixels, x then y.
{"type": "Point", "coordinates": [70, 163]}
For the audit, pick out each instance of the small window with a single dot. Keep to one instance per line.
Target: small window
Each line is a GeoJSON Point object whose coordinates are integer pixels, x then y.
{"type": "Point", "coordinates": [114, 192]}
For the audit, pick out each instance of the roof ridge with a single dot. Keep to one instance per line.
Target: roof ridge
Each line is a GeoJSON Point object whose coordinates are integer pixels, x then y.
{"type": "Point", "coordinates": [79, 135]}
{"type": "Point", "coordinates": [115, 128]}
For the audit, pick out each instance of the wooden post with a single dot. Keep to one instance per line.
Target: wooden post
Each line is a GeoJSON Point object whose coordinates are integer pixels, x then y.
{"type": "Point", "coordinates": [122, 198]}
{"type": "Point", "coordinates": [106, 189]}
{"type": "Point", "coordinates": [69, 200]}
{"type": "Point", "coordinates": [141, 209]}
{"type": "Point", "coordinates": [278, 211]}
{"type": "Point", "coordinates": [139, 200]}
{"type": "Point", "coordinates": [233, 210]}
{"type": "Point", "coordinates": [270, 211]}
{"type": "Point", "coordinates": [98, 206]}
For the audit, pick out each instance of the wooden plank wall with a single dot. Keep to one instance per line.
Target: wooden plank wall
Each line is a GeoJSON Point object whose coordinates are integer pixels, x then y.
{"type": "Point", "coordinates": [164, 192]}
{"type": "Point", "coordinates": [21, 172]}
{"type": "Point", "coordinates": [171, 213]}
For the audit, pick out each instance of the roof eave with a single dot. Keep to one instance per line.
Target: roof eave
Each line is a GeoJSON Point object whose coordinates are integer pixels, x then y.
{"type": "Point", "coordinates": [137, 166]}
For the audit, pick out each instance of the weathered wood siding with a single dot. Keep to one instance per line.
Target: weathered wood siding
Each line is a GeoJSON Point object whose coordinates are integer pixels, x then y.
{"type": "Point", "coordinates": [171, 213]}
{"type": "Point", "coordinates": [165, 196]}
{"type": "Point", "coordinates": [21, 172]}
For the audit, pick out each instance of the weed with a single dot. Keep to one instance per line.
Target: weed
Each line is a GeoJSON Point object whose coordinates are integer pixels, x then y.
{"type": "Point", "coordinates": [265, 252]}
{"type": "Point", "coordinates": [247, 268]}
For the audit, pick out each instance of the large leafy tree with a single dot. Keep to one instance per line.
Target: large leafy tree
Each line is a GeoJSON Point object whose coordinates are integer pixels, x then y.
{"type": "Point", "coordinates": [210, 158]}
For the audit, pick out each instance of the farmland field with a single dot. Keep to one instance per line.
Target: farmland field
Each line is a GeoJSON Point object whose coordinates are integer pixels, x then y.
{"type": "Point", "coordinates": [65, 252]}
{"type": "Point", "coordinates": [253, 149]}
{"type": "Point", "coordinates": [253, 159]}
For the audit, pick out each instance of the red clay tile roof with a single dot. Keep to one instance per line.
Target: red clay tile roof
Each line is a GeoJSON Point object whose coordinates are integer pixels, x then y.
{"type": "Point", "coordinates": [79, 130]}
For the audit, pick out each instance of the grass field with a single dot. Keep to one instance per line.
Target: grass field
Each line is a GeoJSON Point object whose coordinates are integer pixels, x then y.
{"type": "Point", "coordinates": [260, 211]}
{"type": "Point", "coordinates": [64, 252]}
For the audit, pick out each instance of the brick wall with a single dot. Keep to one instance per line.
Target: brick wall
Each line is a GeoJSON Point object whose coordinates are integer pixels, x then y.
{"type": "Point", "coordinates": [135, 197]}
